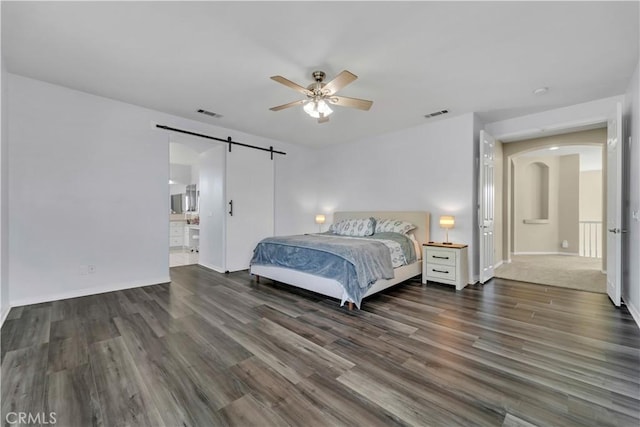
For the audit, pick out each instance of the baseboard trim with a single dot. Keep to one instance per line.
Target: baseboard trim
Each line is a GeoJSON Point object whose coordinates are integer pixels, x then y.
{"type": "Point", "coordinates": [635, 313]}
{"type": "Point", "coordinates": [88, 291]}
{"type": "Point", "coordinates": [547, 253]}
{"type": "Point", "coordinates": [498, 264]}
{"type": "Point", "coordinates": [212, 267]}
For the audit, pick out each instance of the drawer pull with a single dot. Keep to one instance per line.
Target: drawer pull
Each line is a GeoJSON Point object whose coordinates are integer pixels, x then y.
{"type": "Point", "coordinates": [439, 271]}
{"type": "Point", "coordinates": [439, 257]}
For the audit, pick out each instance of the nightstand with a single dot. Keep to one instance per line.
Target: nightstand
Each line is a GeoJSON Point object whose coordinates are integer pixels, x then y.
{"type": "Point", "coordinates": [446, 264]}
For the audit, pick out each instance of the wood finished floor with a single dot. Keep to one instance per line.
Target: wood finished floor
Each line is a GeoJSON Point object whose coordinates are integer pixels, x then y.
{"type": "Point", "coordinates": [210, 349]}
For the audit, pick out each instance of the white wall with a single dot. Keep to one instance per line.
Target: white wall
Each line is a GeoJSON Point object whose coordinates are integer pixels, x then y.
{"type": "Point", "coordinates": [4, 195]}
{"type": "Point", "coordinates": [569, 204]}
{"type": "Point", "coordinates": [181, 175]}
{"type": "Point", "coordinates": [631, 286]}
{"type": "Point", "coordinates": [591, 195]}
{"type": "Point", "coordinates": [301, 178]}
{"type": "Point", "coordinates": [428, 168]}
{"type": "Point", "coordinates": [552, 121]}
{"type": "Point", "coordinates": [88, 186]}
{"type": "Point", "coordinates": [212, 208]}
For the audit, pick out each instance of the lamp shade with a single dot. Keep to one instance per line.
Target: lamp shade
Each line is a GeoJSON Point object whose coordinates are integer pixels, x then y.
{"type": "Point", "coordinates": [320, 219]}
{"type": "Point", "coordinates": [447, 221]}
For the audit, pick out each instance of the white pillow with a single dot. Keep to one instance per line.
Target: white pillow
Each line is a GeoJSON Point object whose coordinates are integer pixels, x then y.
{"type": "Point", "coordinates": [355, 227]}
{"type": "Point", "coordinates": [393, 226]}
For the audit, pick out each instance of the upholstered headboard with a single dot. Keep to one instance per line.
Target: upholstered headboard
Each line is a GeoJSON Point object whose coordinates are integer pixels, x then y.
{"type": "Point", "coordinates": [419, 219]}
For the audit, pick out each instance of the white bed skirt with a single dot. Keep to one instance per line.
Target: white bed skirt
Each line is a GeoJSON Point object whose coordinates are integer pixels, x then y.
{"type": "Point", "coordinates": [330, 287]}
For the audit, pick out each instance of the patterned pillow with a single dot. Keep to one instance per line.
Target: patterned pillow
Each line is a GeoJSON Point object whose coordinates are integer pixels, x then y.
{"type": "Point", "coordinates": [393, 226]}
{"type": "Point", "coordinates": [355, 227]}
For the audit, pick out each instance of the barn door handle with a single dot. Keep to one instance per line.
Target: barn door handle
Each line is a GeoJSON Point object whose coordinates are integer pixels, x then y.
{"type": "Point", "coordinates": [231, 207]}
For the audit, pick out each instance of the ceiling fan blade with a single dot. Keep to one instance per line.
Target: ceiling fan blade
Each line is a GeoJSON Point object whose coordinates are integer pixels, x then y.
{"type": "Point", "coordinates": [344, 101]}
{"type": "Point", "coordinates": [340, 81]}
{"type": "Point", "coordinates": [292, 85]}
{"type": "Point", "coordinates": [291, 104]}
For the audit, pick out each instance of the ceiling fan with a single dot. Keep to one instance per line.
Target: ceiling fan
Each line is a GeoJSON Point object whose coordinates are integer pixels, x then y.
{"type": "Point", "coordinates": [320, 95]}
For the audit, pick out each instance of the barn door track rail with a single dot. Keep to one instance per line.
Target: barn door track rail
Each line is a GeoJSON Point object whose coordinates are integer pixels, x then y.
{"type": "Point", "coordinates": [228, 140]}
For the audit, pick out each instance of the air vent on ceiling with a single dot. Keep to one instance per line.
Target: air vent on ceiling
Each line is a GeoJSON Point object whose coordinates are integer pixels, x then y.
{"type": "Point", "coordinates": [435, 114]}
{"type": "Point", "coordinates": [209, 113]}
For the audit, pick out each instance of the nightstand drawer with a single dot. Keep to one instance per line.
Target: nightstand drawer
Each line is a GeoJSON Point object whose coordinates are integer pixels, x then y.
{"type": "Point", "coordinates": [441, 272]}
{"type": "Point", "coordinates": [443, 257]}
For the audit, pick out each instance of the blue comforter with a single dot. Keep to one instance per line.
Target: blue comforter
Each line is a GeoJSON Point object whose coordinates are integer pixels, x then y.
{"type": "Point", "coordinates": [355, 263]}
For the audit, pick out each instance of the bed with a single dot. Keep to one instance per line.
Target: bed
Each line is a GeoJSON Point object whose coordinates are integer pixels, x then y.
{"type": "Point", "coordinates": [334, 288]}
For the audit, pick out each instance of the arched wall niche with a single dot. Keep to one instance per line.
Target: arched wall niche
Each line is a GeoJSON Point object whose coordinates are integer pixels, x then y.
{"type": "Point", "coordinates": [538, 191]}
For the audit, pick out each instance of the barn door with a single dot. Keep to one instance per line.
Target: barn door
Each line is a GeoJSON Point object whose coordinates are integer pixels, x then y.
{"type": "Point", "coordinates": [250, 203]}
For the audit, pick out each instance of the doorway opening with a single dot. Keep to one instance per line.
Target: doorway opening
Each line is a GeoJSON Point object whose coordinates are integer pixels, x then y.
{"type": "Point", "coordinates": [184, 217]}
{"type": "Point", "coordinates": [553, 210]}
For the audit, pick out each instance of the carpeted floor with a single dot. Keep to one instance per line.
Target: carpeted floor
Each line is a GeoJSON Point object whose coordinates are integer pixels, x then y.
{"type": "Point", "coordinates": [556, 270]}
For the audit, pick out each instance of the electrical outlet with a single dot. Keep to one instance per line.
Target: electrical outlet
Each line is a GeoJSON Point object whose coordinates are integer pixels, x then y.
{"type": "Point", "coordinates": [84, 270]}
{"type": "Point", "coordinates": [91, 269]}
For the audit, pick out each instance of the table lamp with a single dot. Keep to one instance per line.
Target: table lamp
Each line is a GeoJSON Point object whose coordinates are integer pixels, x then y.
{"type": "Point", "coordinates": [447, 222]}
{"type": "Point", "coordinates": [320, 219]}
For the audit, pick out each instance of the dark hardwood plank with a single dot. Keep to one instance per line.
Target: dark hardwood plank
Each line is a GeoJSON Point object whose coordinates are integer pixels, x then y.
{"type": "Point", "coordinates": [120, 388]}
{"type": "Point", "coordinates": [15, 313]}
{"type": "Point", "coordinates": [346, 406]}
{"type": "Point", "coordinates": [221, 349]}
{"type": "Point", "coordinates": [99, 330]}
{"type": "Point", "coordinates": [266, 385]}
{"type": "Point", "coordinates": [32, 328]}
{"type": "Point", "coordinates": [183, 393]}
{"type": "Point", "coordinates": [247, 411]}
{"type": "Point", "coordinates": [71, 394]}
{"type": "Point", "coordinates": [305, 330]}
{"type": "Point", "coordinates": [23, 379]}
{"type": "Point", "coordinates": [67, 353]}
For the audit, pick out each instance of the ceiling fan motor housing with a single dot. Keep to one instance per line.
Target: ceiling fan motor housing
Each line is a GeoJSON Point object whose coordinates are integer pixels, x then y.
{"type": "Point", "coordinates": [319, 76]}
{"type": "Point", "coordinates": [316, 88]}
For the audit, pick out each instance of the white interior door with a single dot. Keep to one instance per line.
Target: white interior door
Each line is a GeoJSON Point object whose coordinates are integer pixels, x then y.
{"type": "Point", "coordinates": [486, 197]}
{"type": "Point", "coordinates": [250, 203]}
{"type": "Point", "coordinates": [614, 205]}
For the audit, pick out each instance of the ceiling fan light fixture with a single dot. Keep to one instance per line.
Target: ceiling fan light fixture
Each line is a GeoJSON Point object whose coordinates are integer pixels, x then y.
{"type": "Point", "coordinates": [317, 108]}
{"type": "Point", "coordinates": [323, 108]}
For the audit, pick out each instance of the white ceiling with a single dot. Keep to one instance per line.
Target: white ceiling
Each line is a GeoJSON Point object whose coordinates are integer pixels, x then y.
{"type": "Point", "coordinates": [412, 58]}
